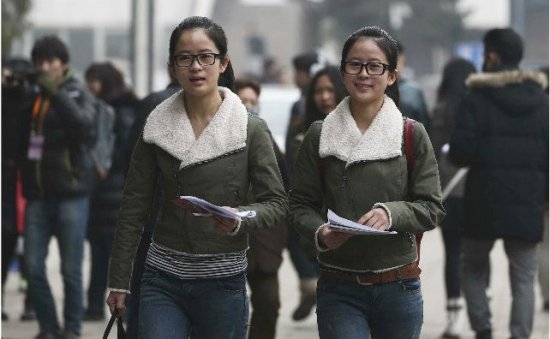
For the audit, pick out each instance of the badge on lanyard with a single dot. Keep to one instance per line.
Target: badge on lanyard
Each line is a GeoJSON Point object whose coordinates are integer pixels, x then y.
{"type": "Point", "coordinates": [36, 145]}
{"type": "Point", "coordinates": [36, 141]}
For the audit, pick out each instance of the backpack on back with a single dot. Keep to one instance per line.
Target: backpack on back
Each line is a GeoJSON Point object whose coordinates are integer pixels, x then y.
{"type": "Point", "coordinates": [103, 149]}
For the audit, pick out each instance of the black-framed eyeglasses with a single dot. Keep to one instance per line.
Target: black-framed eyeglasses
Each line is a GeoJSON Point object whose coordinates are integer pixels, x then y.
{"type": "Point", "coordinates": [204, 59]}
{"type": "Point", "coordinates": [372, 67]}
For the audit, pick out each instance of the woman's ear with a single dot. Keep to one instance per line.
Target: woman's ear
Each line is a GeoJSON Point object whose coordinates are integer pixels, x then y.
{"type": "Point", "coordinates": [223, 63]}
{"type": "Point", "coordinates": [392, 77]}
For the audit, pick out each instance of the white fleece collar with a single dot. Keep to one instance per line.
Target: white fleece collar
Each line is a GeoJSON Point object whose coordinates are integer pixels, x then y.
{"type": "Point", "coordinates": [341, 138]}
{"type": "Point", "coordinates": [169, 128]}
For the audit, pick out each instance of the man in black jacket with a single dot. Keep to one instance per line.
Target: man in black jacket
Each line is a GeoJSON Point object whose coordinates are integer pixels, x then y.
{"type": "Point", "coordinates": [57, 129]}
{"type": "Point", "coordinates": [502, 136]}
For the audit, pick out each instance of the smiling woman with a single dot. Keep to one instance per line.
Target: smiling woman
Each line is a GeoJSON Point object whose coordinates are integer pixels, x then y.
{"type": "Point", "coordinates": [353, 164]}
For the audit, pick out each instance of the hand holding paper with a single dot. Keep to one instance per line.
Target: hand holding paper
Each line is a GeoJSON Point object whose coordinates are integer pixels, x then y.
{"type": "Point", "coordinates": [200, 207]}
{"type": "Point", "coordinates": [337, 223]}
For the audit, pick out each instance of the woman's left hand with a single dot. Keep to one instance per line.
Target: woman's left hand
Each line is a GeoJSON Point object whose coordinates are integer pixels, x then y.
{"type": "Point", "coordinates": [225, 225]}
{"type": "Point", "coordinates": [376, 218]}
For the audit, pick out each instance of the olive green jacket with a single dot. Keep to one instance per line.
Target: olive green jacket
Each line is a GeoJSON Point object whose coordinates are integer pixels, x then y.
{"type": "Point", "coordinates": [233, 154]}
{"type": "Point", "coordinates": [351, 173]}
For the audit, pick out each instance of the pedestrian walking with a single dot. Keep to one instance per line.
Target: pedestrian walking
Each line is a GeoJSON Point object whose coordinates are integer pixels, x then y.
{"type": "Point", "coordinates": [502, 136]}
{"type": "Point", "coordinates": [107, 83]}
{"type": "Point", "coordinates": [58, 175]}
{"type": "Point", "coordinates": [265, 253]}
{"type": "Point", "coordinates": [201, 142]}
{"type": "Point", "coordinates": [449, 93]}
{"type": "Point", "coordinates": [353, 163]}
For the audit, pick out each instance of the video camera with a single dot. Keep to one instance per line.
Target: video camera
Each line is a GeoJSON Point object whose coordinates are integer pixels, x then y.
{"type": "Point", "coordinates": [18, 72]}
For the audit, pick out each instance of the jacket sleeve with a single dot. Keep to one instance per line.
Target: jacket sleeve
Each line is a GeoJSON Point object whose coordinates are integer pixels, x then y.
{"type": "Point", "coordinates": [464, 143]}
{"type": "Point", "coordinates": [271, 204]}
{"type": "Point", "coordinates": [423, 209]}
{"type": "Point", "coordinates": [306, 196]}
{"type": "Point", "coordinates": [137, 201]}
{"type": "Point", "coordinates": [76, 107]}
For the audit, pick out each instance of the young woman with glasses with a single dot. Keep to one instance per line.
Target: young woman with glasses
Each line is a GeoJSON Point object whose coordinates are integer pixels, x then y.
{"type": "Point", "coordinates": [354, 164]}
{"type": "Point", "coordinates": [199, 142]}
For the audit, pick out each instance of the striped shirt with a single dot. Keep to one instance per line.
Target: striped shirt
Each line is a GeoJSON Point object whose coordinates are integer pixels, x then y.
{"type": "Point", "coordinates": [195, 266]}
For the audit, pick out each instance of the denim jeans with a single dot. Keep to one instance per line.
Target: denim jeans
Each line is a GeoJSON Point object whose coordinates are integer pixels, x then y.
{"type": "Point", "coordinates": [201, 308]}
{"type": "Point", "coordinates": [347, 310]}
{"type": "Point", "coordinates": [522, 267]}
{"type": "Point", "coordinates": [66, 220]}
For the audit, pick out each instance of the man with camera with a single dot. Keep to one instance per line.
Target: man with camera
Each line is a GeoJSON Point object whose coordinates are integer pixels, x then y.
{"type": "Point", "coordinates": [57, 128]}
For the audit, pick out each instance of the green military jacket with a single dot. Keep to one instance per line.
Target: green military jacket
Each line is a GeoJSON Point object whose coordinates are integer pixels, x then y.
{"type": "Point", "coordinates": [340, 169]}
{"type": "Point", "coordinates": [233, 154]}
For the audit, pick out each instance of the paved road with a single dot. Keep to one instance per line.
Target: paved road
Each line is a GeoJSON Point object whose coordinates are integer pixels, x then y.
{"type": "Point", "coordinates": [433, 291]}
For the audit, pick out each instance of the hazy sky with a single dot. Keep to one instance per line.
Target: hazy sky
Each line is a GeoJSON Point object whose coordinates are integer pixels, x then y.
{"type": "Point", "coordinates": [487, 13]}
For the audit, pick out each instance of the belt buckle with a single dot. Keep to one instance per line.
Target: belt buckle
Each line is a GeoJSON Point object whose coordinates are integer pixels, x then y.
{"type": "Point", "coordinates": [358, 281]}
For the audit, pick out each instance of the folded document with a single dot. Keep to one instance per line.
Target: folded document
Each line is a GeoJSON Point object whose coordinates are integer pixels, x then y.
{"type": "Point", "coordinates": [339, 224]}
{"type": "Point", "coordinates": [204, 208]}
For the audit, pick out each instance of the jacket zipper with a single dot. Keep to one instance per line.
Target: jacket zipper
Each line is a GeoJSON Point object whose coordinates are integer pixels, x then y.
{"type": "Point", "coordinates": [67, 159]}
{"type": "Point", "coordinates": [345, 186]}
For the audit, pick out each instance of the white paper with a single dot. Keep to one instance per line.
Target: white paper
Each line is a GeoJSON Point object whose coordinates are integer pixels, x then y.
{"type": "Point", "coordinates": [339, 224]}
{"type": "Point", "coordinates": [214, 209]}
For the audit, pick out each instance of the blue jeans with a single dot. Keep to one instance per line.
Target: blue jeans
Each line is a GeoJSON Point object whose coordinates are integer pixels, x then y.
{"type": "Point", "coordinates": [66, 220]}
{"type": "Point", "coordinates": [347, 310]}
{"type": "Point", "coordinates": [201, 308]}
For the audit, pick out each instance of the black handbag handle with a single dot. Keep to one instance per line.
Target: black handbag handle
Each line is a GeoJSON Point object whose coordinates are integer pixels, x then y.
{"type": "Point", "coordinates": [121, 333]}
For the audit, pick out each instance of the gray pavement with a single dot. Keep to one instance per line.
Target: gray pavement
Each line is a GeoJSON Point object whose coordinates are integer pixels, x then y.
{"type": "Point", "coordinates": [433, 291]}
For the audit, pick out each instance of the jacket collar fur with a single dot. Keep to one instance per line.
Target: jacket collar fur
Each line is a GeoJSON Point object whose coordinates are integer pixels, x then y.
{"type": "Point", "coordinates": [504, 78]}
{"type": "Point", "coordinates": [341, 138]}
{"type": "Point", "coordinates": [169, 128]}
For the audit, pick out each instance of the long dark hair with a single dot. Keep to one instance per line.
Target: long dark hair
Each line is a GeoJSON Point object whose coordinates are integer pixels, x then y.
{"type": "Point", "coordinates": [386, 43]}
{"type": "Point", "coordinates": [215, 33]}
{"type": "Point", "coordinates": [449, 94]}
{"type": "Point", "coordinates": [111, 79]}
{"type": "Point", "coordinates": [312, 112]}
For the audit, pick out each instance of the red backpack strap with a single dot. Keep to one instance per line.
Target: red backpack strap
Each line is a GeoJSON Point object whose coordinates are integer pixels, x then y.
{"type": "Point", "coordinates": [409, 154]}
{"type": "Point", "coordinates": [409, 145]}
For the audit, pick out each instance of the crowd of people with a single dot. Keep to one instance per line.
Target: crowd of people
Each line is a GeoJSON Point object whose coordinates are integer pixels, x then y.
{"type": "Point", "coordinates": [360, 144]}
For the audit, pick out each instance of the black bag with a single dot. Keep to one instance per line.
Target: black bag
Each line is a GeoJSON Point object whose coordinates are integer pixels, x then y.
{"type": "Point", "coordinates": [121, 333]}
{"type": "Point", "coordinates": [102, 151]}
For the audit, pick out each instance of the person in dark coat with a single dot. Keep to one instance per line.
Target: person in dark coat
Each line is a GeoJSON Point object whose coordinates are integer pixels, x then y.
{"type": "Point", "coordinates": [449, 94]}
{"type": "Point", "coordinates": [265, 254]}
{"type": "Point", "coordinates": [57, 170]}
{"type": "Point", "coordinates": [15, 88]}
{"type": "Point", "coordinates": [107, 83]}
{"type": "Point", "coordinates": [502, 136]}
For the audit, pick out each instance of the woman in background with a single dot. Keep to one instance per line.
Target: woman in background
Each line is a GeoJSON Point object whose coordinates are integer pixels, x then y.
{"type": "Point", "coordinates": [449, 94]}
{"type": "Point", "coordinates": [324, 92]}
{"type": "Point", "coordinates": [107, 83]}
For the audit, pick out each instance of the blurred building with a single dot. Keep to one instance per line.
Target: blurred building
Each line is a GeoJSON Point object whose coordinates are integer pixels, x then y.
{"type": "Point", "coordinates": [258, 30]}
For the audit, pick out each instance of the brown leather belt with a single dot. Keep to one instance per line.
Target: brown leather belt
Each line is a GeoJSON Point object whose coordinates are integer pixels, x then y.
{"type": "Point", "coordinates": [409, 271]}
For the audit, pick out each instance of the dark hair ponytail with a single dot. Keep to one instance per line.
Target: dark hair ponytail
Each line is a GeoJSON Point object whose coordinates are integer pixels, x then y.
{"type": "Point", "coordinates": [386, 43]}
{"type": "Point", "coordinates": [227, 78]}
{"type": "Point", "coordinates": [215, 33]}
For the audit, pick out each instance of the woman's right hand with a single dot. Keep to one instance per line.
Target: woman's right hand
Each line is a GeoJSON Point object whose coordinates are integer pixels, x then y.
{"type": "Point", "coordinates": [332, 239]}
{"type": "Point", "coordinates": [117, 300]}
